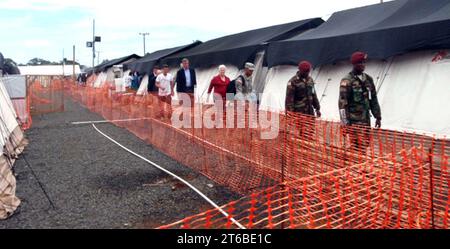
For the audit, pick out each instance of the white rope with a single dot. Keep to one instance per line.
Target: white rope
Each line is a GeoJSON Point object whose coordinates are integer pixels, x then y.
{"type": "Point", "coordinates": [173, 175]}
{"type": "Point", "coordinates": [108, 121]}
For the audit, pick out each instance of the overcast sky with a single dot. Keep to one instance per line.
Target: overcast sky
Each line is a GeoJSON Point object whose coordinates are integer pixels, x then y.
{"type": "Point", "coordinates": [44, 28]}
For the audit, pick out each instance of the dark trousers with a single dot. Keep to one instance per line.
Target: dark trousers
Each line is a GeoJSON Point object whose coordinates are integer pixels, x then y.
{"type": "Point", "coordinates": [165, 106]}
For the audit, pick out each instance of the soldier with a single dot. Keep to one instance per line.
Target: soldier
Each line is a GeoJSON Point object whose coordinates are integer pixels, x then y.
{"type": "Point", "coordinates": [358, 96]}
{"type": "Point", "coordinates": [244, 84]}
{"type": "Point", "coordinates": [301, 97]}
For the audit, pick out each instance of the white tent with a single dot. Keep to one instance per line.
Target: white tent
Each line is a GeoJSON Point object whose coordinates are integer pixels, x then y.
{"type": "Point", "coordinates": [67, 70]}
{"type": "Point", "coordinates": [11, 144]}
{"type": "Point", "coordinates": [411, 88]}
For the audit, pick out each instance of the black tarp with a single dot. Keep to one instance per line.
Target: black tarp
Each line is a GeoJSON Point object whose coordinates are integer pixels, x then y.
{"type": "Point", "coordinates": [2, 61]}
{"type": "Point", "coordinates": [381, 30]}
{"type": "Point", "coordinates": [145, 64]}
{"type": "Point", "coordinates": [104, 66]}
{"type": "Point", "coordinates": [239, 48]}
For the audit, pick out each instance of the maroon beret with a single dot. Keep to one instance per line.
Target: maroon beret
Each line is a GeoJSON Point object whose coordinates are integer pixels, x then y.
{"type": "Point", "coordinates": [358, 57]}
{"type": "Point", "coordinates": [304, 66]}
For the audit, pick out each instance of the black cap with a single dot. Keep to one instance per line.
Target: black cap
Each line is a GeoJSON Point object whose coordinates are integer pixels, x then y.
{"type": "Point", "coordinates": [165, 65]}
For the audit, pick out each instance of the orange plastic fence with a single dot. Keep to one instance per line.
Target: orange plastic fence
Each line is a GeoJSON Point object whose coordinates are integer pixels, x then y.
{"type": "Point", "coordinates": [379, 173]}
{"type": "Point", "coordinates": [45, 94]}
{"type": "Point", "coordinates": [383, 193]}
{"type": "Point", "coordinates": [22, 108]}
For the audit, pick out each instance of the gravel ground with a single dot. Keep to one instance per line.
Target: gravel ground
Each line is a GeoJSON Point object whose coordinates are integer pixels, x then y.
{"type": "Point", "coordinates": [93, 183]}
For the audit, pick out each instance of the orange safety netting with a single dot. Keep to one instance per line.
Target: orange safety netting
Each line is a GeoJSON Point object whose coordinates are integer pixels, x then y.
{"type": "Point", "coordinates": [45, 94]}
{"type": "Point", "coordinates": [378, 170]}
{"type": "Point", "coordinates": [22, 108]}
{"type": "Point", "coordinates": [393, 192]}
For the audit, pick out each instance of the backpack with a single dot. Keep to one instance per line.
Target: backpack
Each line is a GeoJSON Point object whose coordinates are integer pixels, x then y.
{"type": "Point", "coordinates": [232, 86]}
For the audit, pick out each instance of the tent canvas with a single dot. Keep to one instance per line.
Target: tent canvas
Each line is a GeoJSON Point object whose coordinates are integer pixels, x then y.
{"type": "Point", "coordinates": [11, 144]}
{"type": "Point", "coordinates": [118, 61]}
{"type": "Point", "coordinates": [15, 85]}
{"type": "Point", "coordinates": [410, 87]}
{"type": "Point", "coordinates": [239, 48]}
{"type": "Point", "coordinates": [382, 30]}
{"type": "Point", "coordinates": [145, 64]}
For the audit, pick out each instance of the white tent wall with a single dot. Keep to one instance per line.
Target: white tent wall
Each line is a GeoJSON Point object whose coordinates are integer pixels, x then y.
{"type": "Point", "coordinates": [119, 82]}
{"type": "Point", "coordinates": [260, 73]}
{"type": "Point", "coordinates": [110, 74]}
{"type": "Point", "coordinates": [409, 88]}
{"type": "Point", "coordinates": [101, 78]}
{"type": "Point", "coordinates": [8, 116]}
{"type": "Point", "coordinates": [143, 87]}
{"type": "Point", "coordinates": [416, 94]}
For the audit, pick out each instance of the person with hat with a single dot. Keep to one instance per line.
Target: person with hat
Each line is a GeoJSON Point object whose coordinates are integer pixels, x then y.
{"type": "Point", "coordinates": [301, 96]}
{"type": "Point", "coordinates": [244, 84]}
{"type": "Point", "coordinates": [357, 98]}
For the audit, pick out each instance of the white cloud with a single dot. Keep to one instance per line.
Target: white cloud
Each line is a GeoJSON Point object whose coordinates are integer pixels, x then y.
{"type": "Point", "coordinates": [119, 22]}
{"type": "Point", "coordinates": [36, 43]}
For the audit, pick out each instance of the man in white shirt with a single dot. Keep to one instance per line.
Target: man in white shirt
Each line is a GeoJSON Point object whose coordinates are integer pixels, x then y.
{"type": "Point", "coordinates": [164, 83]}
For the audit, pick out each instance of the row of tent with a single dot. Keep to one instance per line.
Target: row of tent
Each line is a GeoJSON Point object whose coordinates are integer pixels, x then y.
{"type": "Point", "coordinates": [407, 42]}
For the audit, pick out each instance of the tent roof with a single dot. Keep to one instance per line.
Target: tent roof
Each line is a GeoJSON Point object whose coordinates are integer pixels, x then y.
{"type": "Point", "coordinates": [238, 48]}
{"type": "Point", "coordinates": [104, 66]}
{"type": "Point", "coordinates": [146, 63]}
{"type": "Point", "coordinates": [381, 30]}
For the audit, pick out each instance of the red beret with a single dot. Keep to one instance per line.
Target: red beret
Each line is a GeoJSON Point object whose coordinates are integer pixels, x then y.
{"type": "Point", "coordinates": [358, 57]}
{"type": "Point", "coordinates": [304, 66]}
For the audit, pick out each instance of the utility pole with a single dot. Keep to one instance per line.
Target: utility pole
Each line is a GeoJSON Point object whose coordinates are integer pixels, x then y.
{"type": "Point", "coordinates": [63, 63]}
{"type": "Point", "coordinates": [143, 37]}
{"type": "Point", "coordinates": [98, 57]}
{"type": "Point", "coordinates": [73, 62]}
{"type": "Point", "coordinates": [93, 42]}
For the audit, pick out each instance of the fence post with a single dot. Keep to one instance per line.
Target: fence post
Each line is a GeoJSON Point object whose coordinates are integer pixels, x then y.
{"type": "Point", "coordinates": [430, 160]}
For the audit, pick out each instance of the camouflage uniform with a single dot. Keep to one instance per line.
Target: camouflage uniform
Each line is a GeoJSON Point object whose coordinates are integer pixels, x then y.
{"type": "Point", "coordinates": [357, 98]}
{"type": "Point", "coordinates": [301, 95]}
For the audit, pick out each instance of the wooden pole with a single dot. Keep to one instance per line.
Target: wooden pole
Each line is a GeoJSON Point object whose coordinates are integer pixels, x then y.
{"type": "Point", "coordinates": [73, 62]}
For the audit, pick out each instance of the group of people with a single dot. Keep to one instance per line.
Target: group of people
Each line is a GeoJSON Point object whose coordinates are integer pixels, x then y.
{"type": "Point", "coordinates": [357, 97]}
{"type": "Point", "coordinates": [132, 80]}
{"type": "Point", "coordinates": [186, 81]}
{"type": "Point", "coordinates": [357, 93]}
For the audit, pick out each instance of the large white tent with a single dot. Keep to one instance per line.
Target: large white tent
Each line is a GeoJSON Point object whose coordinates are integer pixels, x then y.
{"type": "Point", "coordinates": [403, 38]}
{"type": "Point", "coordinates": [410, 84]}
{"type": "Point", "coordinates": [11, 144]}
{"type": "Point", "coordinates": [412, 88]}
